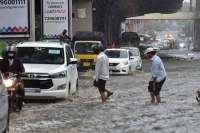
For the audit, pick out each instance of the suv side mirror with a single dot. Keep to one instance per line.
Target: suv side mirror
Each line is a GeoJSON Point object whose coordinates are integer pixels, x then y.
{"type": "Point", "coordinates": [131, 57]}
{"type": "Point", "coordinates": [73, 61]}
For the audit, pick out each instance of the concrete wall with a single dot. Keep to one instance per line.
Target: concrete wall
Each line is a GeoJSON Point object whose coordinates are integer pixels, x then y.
{"type": "Point", "coordinates": [82, 24]}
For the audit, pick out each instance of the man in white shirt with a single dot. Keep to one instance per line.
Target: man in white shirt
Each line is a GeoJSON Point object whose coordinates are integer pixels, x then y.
{"type": "Point", "coordinates": [101, 71]}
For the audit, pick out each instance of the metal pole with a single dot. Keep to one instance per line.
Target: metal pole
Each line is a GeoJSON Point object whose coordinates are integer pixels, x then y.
{"type": "Point", "coordinates": [190, 5]}
{"type": "Point", "coordinates": [32, 20]}
{"type": "Point", "coordinates": [70, 19]}
{"type": "Point", "coordinates": [41, 29]}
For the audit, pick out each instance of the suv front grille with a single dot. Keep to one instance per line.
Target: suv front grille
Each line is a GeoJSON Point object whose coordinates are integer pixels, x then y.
{"type": "Point", "coordinates": [42, 84]}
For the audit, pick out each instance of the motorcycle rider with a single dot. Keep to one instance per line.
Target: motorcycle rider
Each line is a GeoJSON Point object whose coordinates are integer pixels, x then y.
{"type": "Point", "coordinates": [11, 63]}
{"type": "Point", "coordinates": [65, 38]}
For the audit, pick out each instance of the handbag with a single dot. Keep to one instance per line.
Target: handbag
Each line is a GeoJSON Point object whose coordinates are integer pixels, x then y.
{"type": "Point", "coordinates": [150, 85]}
{"type": "Point", "coordinates": [95, 83]}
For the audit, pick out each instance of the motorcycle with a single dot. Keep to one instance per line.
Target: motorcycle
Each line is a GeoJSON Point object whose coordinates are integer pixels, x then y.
{"type": "Point", "coordinates": [15, 89]}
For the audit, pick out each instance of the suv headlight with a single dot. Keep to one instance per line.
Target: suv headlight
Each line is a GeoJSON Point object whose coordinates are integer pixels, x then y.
{"type": "Point", "coordinates": [58, 75]}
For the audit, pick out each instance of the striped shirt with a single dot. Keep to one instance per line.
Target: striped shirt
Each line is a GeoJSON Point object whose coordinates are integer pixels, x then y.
{"type": "Point", "coordinates": [157, 69]}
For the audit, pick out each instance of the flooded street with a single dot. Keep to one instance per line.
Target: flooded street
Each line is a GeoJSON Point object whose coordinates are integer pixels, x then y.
{"type": "Point", "coordinates": [129, 110]}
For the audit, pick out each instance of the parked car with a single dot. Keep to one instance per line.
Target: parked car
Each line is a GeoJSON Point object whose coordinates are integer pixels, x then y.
{"type": "Point", "coordinates": [158, 44]}
{"type": "Point", "coordinates": [137, 57]}
{"type": "Point", "coordinates": [121, 61]}
{"type": "Point", "coordinates": [4, 110]}
{"type": "Point", "coordinates": [158, 39]}
{"type": "Point", "coordinates": [165, 44]}
{"type": "Point", "coordinates": [51, 70]}
{"type": "Point", "coordinates": [155, 46]}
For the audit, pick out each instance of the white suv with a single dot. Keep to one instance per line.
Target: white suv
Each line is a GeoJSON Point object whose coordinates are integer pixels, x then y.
{"type": "Point", "coordinates": [51, 70]}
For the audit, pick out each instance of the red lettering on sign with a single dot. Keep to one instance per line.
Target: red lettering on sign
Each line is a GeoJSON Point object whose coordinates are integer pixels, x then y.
{"type": "Point", "coordinates": [54, 11]}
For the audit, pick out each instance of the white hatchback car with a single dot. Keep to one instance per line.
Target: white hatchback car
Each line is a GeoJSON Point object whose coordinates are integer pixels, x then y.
{"type": "Point", "coordinates": [51, 70]}
{"type": "Point", "coordinates": [121, 61]}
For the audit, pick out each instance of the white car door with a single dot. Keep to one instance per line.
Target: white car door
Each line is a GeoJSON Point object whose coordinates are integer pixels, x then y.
{"type": "Point", "coordinates": [68, 70]}
{"type": "Point", "coordinates": [3, 105]}
{"type": "Point", "coordinates": [73, 71]}
{"type": "Point", "coordinates": [132, 62]}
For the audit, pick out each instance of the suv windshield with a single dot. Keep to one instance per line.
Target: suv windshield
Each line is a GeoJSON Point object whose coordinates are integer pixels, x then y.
{"type": "Point", "coordinates": [41, 55]}
{"type": "Point", "coordinates": [84, 48]}
{"type": "Point", "coordinates": [116, 54]}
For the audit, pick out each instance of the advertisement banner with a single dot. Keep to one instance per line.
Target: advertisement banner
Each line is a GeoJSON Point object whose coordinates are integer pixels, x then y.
{"type": "Point", "coordinates": [55, 18]}
{"type": "Point", "coordinates": [14, 17]}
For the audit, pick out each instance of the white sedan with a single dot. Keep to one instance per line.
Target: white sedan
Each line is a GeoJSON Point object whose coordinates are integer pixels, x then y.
{"type": "Point", "coordinates": [121, 61]}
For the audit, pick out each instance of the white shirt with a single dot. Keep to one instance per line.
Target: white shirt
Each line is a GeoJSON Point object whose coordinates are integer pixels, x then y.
{"type": "Point", "coordinates": [102, 67]}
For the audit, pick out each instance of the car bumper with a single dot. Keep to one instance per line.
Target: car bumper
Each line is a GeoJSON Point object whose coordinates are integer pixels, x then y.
{"type": "Point", "coordinates": [119, 70]}
{"type": "Point", "coordinates": [52, 93]}
{"type": "Point", "coordinates": [58, 94]}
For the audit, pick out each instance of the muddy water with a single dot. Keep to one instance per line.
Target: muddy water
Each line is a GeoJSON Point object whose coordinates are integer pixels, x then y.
{"type": "Point", "coordinates": [127, 111]}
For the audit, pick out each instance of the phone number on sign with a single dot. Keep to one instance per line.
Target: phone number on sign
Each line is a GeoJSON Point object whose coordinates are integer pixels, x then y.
{"type": "Point", "coordinates": [12, 2]}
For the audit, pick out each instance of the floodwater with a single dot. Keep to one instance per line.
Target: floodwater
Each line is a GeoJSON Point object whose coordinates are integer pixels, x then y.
{"type": "Point", "coordinates": [128, 111]}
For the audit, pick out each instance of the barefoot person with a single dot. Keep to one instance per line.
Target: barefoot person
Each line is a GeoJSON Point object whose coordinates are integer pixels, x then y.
{"type": "Point", "coordinates": [101, 71]}
{"type": "Point", "coordinates": [158, 75]}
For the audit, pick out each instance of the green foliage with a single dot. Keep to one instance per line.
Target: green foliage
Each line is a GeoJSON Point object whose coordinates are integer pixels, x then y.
{"type": "Point", "coordinates": [2, 46]}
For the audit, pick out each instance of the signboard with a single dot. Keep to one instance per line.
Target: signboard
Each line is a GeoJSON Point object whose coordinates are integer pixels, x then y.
{"type": "Point", "coordinates": [81, 13]}
{"type": "Point", "coordinates": [55, 18]}
{"type": "Point", "coordinates": [14, 18]}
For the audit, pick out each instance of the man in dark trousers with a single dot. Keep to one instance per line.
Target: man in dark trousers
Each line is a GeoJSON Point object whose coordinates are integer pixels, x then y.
{"type": "Point", "coordinates": [101, 71]}
{"type": "Point", "coordinates": [158, 75]}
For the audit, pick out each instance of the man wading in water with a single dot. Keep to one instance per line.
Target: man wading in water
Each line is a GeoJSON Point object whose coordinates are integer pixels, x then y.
{"type": "Point", "coordinates": [101, 71]}
{"type": "Point", "coordinates": [158, 75]}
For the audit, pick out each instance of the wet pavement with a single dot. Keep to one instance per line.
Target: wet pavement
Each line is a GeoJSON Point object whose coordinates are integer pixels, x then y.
{"type": "Point", "coordinates": [127, 111]}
